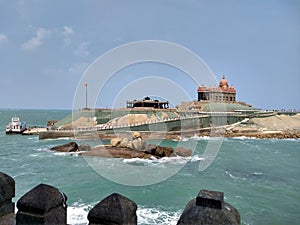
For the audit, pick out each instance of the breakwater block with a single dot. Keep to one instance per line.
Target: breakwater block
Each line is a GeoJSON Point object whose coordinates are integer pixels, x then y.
{"type": "Point", "coordinates": [211, 199]}
{"type": "Point", "coordinates": [44, 205]}
{"type": "Point", "coordinates": [209, 208]}
{"type": "Point", "coordinates": [7, 192]}
{"type": "Point", "coordinates": [114, 209]}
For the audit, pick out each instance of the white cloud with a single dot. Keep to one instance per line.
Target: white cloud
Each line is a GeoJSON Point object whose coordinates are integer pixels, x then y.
{"type": "Point", "coordinates": [37, 40]}
{"type": "Point", "coordinates": [3, 38]}
{"type": "Point", "coordinates": [68, 31]}
{"type": "Point", "coordinates": [82, 49]}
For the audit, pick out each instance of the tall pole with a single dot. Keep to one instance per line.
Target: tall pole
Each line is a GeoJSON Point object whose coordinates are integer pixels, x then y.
{"type": "Point", "coordinates": [85, 95]}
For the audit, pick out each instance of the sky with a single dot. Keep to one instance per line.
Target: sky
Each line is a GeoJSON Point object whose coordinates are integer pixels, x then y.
{"type": "Point", "coordinates": [46, 48]}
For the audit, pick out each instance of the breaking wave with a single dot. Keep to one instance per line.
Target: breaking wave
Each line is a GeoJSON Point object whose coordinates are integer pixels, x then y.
{"type": "Point", "coordinates": [153, 216]}
{"type": "Point", "coordinates": [77, 215]}
{"type": "Point", "coordinates": [164, 160]}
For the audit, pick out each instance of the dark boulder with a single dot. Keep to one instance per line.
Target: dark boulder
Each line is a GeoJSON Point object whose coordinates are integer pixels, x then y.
{"type": "Point", "coordinates": [114, 210]}
{"type": "Point", "coordinates": [209, 208]}
{"type": "Point", "coordinates": [150, 149]}
{"type": "Point", "coordinates": [163, 151]}
{"type": "Point", "coordinates": [69, 147]}
{"type": "Point", "coordinates": [184, 152]}
{"type": "Point", "coordinates": [84, 147]}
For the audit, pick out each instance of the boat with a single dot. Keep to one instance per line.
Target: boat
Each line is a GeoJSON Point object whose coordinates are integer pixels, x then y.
{"type": "Point", "coordinates": [15, 126]}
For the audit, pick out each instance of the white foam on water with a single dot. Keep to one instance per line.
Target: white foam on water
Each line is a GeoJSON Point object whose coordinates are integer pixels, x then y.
{"type": "Point", "coordinates": [138, 161]}
{"type": "Point", "coordinates": [234, 177]}
{"type": "Point", "coordinates": [199, 138]}
{"type": "Point", "coordinates": [42, 149]}
{"type": "Point", "coordinates": [196, 158]}
{"type": "Point", "coordinates": [61, 153]}
{"type": "Point", "coordinates": [244, 138]}
{"type": "Point", "coordinates": [257, 173]}
{"type": "Point", "coordinates": [162, 161]}
{"type": "Point", "coordinates": [63, 138]}
{"type": "Point", "coordinates": [77, 214]}
{"type": "Point", "coordinates": [153, 216]}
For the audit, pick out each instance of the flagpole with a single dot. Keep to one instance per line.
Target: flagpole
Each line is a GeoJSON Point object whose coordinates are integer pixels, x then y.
{"type": "Point", "coordinates": [85, 95]}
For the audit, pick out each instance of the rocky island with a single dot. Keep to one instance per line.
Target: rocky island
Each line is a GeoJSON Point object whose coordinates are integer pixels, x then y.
{"type": "Point", "coordinates": [215, 113]}
{"type": "Point", "coordinates": [134, 147]}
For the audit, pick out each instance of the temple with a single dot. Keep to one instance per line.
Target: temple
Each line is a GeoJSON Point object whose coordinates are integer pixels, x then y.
{"type": "Point", "coordinates": [148, 103]}
{"type": "Point", "coordinates": [222, 93]}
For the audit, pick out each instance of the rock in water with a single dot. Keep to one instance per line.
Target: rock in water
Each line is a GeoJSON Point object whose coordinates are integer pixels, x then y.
{"type": "Point", "coordinates": [163, 151]}
{"type": "Point", "coordinates": [151, 148]}
{"type": "Point", "coordinates": [209, 208]}
{"type": "Point", "coordinates": [137, 144]}
{"type": "Point", "coordinates": [136, 134]}
{"type": "Point", "coordinates": [115, 210]}
{"type": "Point", "coordinates": [124, 143]}
{"type": "Point", "coordinates": [114, 142]}
{"type": "Point", "coordinates": [69, 147]}
{"type": "Point", "coordinates": [184, 152]}
{"type": "Point", "coordinates": [84, 147]}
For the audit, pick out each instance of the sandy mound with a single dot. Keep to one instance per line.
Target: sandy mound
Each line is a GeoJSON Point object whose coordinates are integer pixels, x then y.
{"type": "Point", "coordinates": [135, 119]}
{"type": "Point", "coordinates": [81, 122]}
{"type": "Point", "coordinates": [278, 122]}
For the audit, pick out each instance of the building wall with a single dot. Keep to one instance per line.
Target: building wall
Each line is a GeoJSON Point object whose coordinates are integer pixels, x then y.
{"type": "Point", "coordinates": [217, 96]}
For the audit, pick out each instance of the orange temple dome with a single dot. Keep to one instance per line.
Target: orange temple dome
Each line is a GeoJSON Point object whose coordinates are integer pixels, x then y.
{"type": "Point", "coordinates": [222, 93]}
{"type": "Point", "coordinates": [223, 83]}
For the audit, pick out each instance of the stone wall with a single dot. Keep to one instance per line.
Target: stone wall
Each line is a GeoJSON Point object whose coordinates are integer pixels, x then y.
{"type": "Point", "coordinates": [47, 205]}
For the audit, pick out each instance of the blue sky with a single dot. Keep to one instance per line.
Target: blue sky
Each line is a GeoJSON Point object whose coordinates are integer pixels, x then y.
{"type": "Point", "coordinates": [45, 46]}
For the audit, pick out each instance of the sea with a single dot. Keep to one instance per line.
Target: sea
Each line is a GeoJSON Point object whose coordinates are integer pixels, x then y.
{"type": "Point", "coordinates": [259, 177]}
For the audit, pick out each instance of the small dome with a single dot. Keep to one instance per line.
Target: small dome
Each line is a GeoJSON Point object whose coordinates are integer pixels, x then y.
{"type": "Point", "coordinates": [231, 87]}
{"type": "Point", "coordinates": [223, 83]}
{"type": "Point", "coordinates": [201, 88]}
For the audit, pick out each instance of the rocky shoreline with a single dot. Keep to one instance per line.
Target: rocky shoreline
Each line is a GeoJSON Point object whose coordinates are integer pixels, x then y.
{"type": "Point", "coordinates": [173, 135]}
{"type": "Point", "coordinates": [136, 147]}
{"type": "Point", "coordinates": [126, 148]}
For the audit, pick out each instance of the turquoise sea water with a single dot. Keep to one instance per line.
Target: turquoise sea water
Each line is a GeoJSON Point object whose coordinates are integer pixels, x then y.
{"type": "Point", "coordinates": [259, 177]}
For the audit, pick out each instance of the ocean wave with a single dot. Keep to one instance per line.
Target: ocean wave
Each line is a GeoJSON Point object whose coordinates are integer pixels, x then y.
{"type": "Point", "coordinates": [245, 176]}
{"type": "Point", "coordinates": [164, 160]}
{"type": "Point", "coordinates": [285, 139]}
{"type": "Point", "coordinates": [42, 149]}
{"type": "Point", "coordinates": [153, 216]}
{"type": "Point", "coordinates": [234, 177]}
{"type": "Point", "coordinates": [200, 138]}
{"type": "Point", "coordinates": [196, 158]}
{"type": "Point", "coordinates": [244, 138]}
{"type": "Point", "coordinates": [77, 213]}
{"type": "Point", "coordinates": [75, 154]}
{"type": "Point", "coordinates": [270, 139]}
{"type": "Point", "coordinates": [155, 161]}
{"type": "Point", "coordinates": [256, 174]}
{"type": "Point", "coordinates": [55, 139]}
